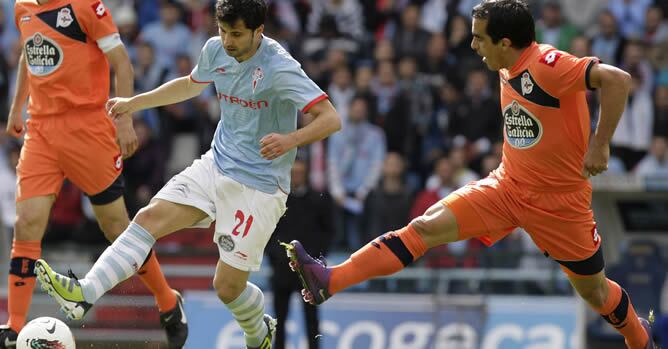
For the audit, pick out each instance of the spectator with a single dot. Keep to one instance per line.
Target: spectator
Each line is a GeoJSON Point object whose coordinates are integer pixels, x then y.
{"type": "Point", "coordinates": [389, 204]}
{"type": "Point", "coordinates": [444, 172]}
{"type": "Point", "coordinates": [363, 79]}
{"type": "Point", "coordinates": [393, 108]}
{"type": "Point", "coordinates": [635, 59]}
{"type": "Point", "coordinates": [144, 172]}
{"type": "Point", "coordinates": [410, 39]}
{"type": "Point", "coordinates": [347, 14]}
{"type": "Point", "coordinates": [461, 174]}
{"type": "Point", "coordinates": [553, 29]}
{"type": "Point", "coordinates": [168, 36]}
{"type": "Point", "coordinates": [67, 216]}
{"type": "Point", "coordinates": [355, 159]}
{"type": "Point", "coordinates": [125, 18]}
{"type": "Point", "coordinates": [655, 163]}
{"type": "Point", "coordinates": [434, 15]}
{"type": "Point", "coordinates": [459, 43]}
{"type": "Point", "coordinates": [341, 91]}
{"type": "Point", "coordinates": [631, 16]}
{"type": "Point", "coordinates": [438, 64]}
{"type": "Point", "coordinates": [660, 127]}
{"type": "Point", "coordinates": [438, 139]}
{"type": "Point", "coordinates": [486, 129]}
{"type": "Point", "coordinates": [308, 219]}
{"type": "Point", "coordinates": [632, 138]}
{"type": "Point", "coordinates": [656, 28]}
{"type": "Point", "coordinates": [607, 44]}
{"type": "Point", "coordinates": [10, 159]}
{"type": "Point", "coordinates": [580, 46]}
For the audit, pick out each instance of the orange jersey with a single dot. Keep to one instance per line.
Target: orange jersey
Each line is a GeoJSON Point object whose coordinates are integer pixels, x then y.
{"type": "Point", "coordinates": [546, 119]}
{"type": "Point", "coordinates": [66, 68]}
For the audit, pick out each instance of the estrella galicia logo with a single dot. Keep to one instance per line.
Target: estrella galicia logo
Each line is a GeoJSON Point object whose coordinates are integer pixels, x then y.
{"type": "Point", "coordinates": [523, 130]}
{"type": "Point", "coordinates": [226, 243]}
{"type": "Point", "coordinates": [43, 55]}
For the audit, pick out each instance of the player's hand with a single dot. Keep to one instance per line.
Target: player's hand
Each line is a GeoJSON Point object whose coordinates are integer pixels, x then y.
{"type": "Point", "coordinates": [119, 106]}
{"type": "Point", "coordinates": [596, 159]}
{"type": "Point", "coordinates": [274, 145]}
{"type": "Point", "coordinates": [125, 135]}
{"type": "Point", "coordinates": [15, 126]}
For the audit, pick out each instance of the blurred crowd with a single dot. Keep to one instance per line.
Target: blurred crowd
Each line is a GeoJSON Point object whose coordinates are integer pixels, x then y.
{"type": "Point", "coordinates": [420, 111]}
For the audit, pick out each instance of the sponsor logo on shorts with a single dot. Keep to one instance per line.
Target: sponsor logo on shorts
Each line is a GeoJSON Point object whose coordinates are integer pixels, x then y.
{"type": "Point", "coordinates": [523, 130]}
{"type": "Point", "coordinates": [241, 255]}
{"type": "Point", "coordinates": [118, 162]}
{"type": "Point", "coordinates": [43, 55]}
{"type": "Point", "coordinates": [226, 243]}
{"type": "Point", "coordinates": [595, 236]}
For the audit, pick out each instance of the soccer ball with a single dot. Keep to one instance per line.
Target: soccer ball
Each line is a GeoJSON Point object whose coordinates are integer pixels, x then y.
{"type": "Point", "coordinates": [45, 333]}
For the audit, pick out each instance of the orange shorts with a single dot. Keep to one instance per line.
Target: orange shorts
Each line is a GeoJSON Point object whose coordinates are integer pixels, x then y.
{"type": "Point", "coordinates": [80, 146]}
{"type": "Point", "coordinates": [561, 224]}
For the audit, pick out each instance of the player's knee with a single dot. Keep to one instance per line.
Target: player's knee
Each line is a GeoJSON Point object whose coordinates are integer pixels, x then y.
{"type": "Point", "coordinates": [228, 289]}
{"type": "Point", "coordinates": [149, 217]}
{"type": "Point", "coordinates": [436, 226]}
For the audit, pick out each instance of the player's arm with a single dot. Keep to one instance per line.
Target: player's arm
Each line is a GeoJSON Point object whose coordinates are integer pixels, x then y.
{"type": "Point", "coordinates": [15, 119]}
{"type": "Point", "coordinates": [124, 87]}
{"type": "Point", "coordinates": [326, 121]}
{"type": "Point", "coordinates": [614, 85]}
{"type": "Point", "coordinates": [174, 91]}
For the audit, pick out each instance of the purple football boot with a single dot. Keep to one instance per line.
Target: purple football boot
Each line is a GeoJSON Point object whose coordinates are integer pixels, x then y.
{"type": "Point", "coordinates": [648, 327]}
{"type": "Point", "coordinates": [313, 273]}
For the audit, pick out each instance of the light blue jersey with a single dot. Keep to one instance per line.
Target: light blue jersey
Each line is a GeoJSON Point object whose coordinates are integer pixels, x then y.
{"type": "Point", "coordinates": [258, 96]}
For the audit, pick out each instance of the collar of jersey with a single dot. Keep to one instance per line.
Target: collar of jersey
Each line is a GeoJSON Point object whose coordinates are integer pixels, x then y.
{"type": "Point", "coordinates": [263, 43]}
{"type": "Point", "coordinates": [517, 67]}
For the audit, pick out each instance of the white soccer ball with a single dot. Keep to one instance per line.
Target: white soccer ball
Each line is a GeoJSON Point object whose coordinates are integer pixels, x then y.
{"type": "Point", "coordinates": [45, 333]}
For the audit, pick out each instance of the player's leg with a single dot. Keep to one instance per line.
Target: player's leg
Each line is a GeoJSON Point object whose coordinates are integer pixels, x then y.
{"type": "Point", "coordinates": [562, 225]}
{"type": "Point", "coordinates": [245, 220]}
{"type": "Point", "coordinates": [613, 303]}
{"type": "Point", "coordinates": [472, 211]}
{"type": "Point", "coordinates": [121, 259]}
{"type": "Point", "coordinates": [31, 219]}
{"type": "Point", "coordinates": [183, 202]}
{"type": "Point", "coordinates": [39, 180]}
{"type": "Point", "coordinates": [113, 220]}
{"type": "Point", "coordinates": [246, 303]}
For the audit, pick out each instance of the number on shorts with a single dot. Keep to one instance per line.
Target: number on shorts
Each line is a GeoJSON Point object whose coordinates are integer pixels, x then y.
{"type": "Point", "coordinates": [241, 218]}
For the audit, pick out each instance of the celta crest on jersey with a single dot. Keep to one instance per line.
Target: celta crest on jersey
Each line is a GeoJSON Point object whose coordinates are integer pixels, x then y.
{"type": "Point", "coordinates": [43, 55]}
{"type": "Point", "coordinates": [523, 130]}
{"type": "Point", "coordinates": [258, 75]}
{"type": "Point", "coordinates": [64, 18]}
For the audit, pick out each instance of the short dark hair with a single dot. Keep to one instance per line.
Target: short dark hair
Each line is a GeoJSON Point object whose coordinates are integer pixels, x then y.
{"type": "Point", "coordinates": [507, 19]}
{"type": "Point", "coordinates": [252, 12]}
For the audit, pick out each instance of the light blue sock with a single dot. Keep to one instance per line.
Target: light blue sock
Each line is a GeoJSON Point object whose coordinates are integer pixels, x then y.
{"type": "Point", "coordinates": [118, 262]}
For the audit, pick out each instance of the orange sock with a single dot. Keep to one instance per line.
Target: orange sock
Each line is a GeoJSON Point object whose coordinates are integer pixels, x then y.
{"type": "Point", "coordinates": [21, 281]}
{"type": "Point", "coordinates": [385, 255]}
{"type": "Point", "coordinates": [154, 279]}
{"type": "Point", "coordinates": [619, 312]}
